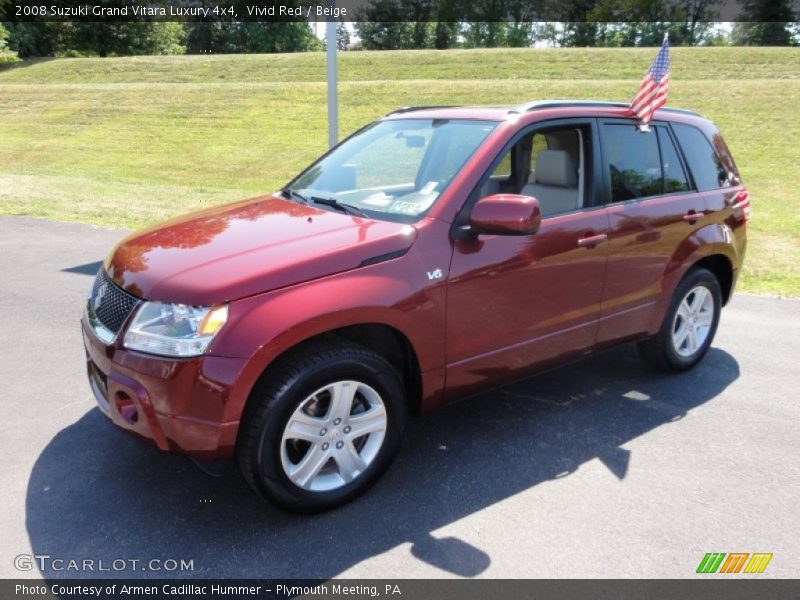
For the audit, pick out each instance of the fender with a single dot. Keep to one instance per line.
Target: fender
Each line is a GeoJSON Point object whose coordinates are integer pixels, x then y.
{"type": "Point", "coordinates": [710, 240]}
{"type": "Point", "coordinates": [396, 293]}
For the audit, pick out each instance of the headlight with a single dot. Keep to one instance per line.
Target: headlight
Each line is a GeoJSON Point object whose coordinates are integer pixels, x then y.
{"type": "Point", "coordinates": [174, 329]}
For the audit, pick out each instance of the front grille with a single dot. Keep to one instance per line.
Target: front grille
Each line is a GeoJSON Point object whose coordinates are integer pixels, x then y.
{"type": "Point", "coordinates": [110, 303]}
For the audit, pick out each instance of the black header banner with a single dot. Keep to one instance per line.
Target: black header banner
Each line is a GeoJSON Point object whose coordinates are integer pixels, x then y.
{"type": "Point", "coordinates": [388, 11]}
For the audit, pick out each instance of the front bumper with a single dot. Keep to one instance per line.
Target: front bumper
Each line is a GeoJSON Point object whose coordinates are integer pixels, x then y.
{"type": "Point", "coordinates": [179, 405]}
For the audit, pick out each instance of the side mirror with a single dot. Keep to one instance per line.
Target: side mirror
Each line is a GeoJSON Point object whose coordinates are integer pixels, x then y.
{"type": "Point", "coordinates": [506, 214]}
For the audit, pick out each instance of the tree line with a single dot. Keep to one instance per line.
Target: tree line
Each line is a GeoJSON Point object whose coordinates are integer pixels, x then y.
{"type": "Point", "coordinates": [410, 24]}
{"type": "Point", "coordinates": [414, 24]}
{"type": "Point", "coordinates": [132, 38]}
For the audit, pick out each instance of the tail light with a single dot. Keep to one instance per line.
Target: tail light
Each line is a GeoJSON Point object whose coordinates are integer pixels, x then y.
{"type": "Point", "coordinates": [741, 206]}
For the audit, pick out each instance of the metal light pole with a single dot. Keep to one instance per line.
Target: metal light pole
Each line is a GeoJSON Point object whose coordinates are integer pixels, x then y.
{"type": "Point", "coordinates": [333, 98]}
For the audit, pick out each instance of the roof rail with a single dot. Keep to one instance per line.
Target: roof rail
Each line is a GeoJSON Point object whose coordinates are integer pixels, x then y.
{"type": "Point", "coordinates": [540, 104]}
{"type": "Point", "coordinates": [406, 109]}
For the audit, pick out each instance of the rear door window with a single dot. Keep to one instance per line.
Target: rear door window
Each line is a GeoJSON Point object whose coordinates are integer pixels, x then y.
{"type": "Point", "coordinates": [642, 164]}
{"type": "Point", "coordinates": [707, 169]}
{"type": "Point", "coordinates": [634, 162]}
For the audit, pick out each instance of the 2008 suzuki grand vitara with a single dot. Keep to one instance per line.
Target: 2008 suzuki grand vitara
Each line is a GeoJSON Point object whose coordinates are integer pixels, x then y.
{"type": "Point", "coordinates": [434, 253]}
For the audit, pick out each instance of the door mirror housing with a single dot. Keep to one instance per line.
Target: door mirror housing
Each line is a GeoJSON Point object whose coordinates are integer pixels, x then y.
{"type": "Point", "coordinates": [506, 214]}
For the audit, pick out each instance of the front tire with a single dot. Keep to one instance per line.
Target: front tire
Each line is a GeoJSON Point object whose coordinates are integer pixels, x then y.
{"type": "Point", "coordinates": [689, 325]}
{"type": "Point", "coordinates": [322, 426]}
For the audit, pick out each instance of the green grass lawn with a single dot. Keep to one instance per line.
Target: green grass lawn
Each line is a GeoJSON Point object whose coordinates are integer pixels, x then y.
{"type": "Point", "coordinates": [129, 141]}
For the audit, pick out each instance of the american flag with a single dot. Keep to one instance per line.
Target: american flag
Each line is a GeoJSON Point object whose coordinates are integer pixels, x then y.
{"type": "Point", "coordinates": [652, 92]}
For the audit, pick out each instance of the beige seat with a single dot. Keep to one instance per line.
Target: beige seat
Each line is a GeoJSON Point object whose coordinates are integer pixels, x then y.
{"type": "Point", "coordinates": [555, 183]}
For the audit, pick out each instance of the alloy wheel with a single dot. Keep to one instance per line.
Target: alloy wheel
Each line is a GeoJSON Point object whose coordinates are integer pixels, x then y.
{"type": "Point", "coordinates": [693, 321]}
{"type": "Point", "coordinates": [333, 436]}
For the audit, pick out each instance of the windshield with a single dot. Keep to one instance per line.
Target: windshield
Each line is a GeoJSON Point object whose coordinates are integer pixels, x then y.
{"type": "Point", "coordinates": [393, 169]}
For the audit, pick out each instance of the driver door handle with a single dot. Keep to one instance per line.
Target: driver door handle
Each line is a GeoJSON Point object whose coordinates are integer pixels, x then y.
{"type": "Point", "coordinates": [592, 240]}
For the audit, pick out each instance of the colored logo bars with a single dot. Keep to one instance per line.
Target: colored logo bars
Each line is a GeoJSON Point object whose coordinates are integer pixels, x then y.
{"type": "Point", "coordinates": [734, 562]}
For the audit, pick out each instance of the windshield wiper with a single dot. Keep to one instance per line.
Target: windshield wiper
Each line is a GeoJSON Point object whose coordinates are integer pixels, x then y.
{"type": "Point", "coordinates": [290, 193]}
{"type": "Point", "coordinates": [342, 206]}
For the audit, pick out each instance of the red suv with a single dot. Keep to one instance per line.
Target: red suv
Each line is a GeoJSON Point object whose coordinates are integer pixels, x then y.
{"type": "Point", "coordinates": [434, 253]}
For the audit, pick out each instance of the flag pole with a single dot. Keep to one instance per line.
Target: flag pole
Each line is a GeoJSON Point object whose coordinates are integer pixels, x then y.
{"type": "Point", "coordinates": [645, 103]}
{"type": "Point", "coordinates": [331, 43]}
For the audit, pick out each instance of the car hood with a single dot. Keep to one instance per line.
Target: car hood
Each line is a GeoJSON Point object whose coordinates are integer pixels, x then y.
{"type": "Point", "coordinates": [238, 250]}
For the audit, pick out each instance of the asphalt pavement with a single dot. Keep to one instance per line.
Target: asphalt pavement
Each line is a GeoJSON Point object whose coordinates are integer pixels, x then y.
{"type": "Point", "coordinates": [603, 468]}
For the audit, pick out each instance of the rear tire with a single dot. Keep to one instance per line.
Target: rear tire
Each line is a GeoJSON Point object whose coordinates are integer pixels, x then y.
{"type": "Point", "coordinates": [321, 426]}
{"type": "Point", "coordinates": [689, 325]}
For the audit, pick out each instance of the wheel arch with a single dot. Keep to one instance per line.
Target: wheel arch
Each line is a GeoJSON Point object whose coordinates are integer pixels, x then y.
{"type": "Point", "coordinates": [709, 247]}
{"type": "Point", "coordinates": [722, 268]}
{"type": "Point", "coordinates": [385, 340]}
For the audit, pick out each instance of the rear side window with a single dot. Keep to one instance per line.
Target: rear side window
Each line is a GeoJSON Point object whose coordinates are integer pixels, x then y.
{"type": "Point", "coordinates": [707, 169]}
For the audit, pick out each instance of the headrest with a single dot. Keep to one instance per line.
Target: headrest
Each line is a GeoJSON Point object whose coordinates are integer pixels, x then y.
{"type": "Point", "coordinates": [554, 167]}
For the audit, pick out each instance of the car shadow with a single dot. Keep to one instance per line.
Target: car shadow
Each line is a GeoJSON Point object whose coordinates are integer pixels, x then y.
{"type": "Point", "coordinates": [89, 268]}
{"type": "Point", "coordinates": [94, 492]}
